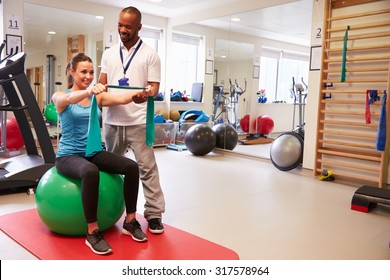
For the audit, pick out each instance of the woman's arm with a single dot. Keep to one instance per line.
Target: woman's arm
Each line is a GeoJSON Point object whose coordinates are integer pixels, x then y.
{"type": "Point", "coordinates": [107, 99]}
{"type": "Point", "coordinates": [62, 99]}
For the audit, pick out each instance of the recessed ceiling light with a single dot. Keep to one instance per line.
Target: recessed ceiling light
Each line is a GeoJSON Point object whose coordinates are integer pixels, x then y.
{"type": "Point", "coordinates": [52, 32]}
{"type": "Point", "coordinates": [236, 19]}
{"type": "Point", "coordinates": [99, 17]}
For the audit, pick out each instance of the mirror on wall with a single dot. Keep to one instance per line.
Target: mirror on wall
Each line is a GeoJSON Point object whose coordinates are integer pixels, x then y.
{"type": "Point", "coordinates": [233, 69]}
{"type": "Point", "coordinates": [274, 27]}
{"type": "Point", "coordinates": [51, 38]}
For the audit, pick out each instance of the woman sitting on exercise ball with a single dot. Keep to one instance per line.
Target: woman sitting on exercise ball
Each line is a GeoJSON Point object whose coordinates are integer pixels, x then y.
{"type": "Point", "coordinates": [74, 159]}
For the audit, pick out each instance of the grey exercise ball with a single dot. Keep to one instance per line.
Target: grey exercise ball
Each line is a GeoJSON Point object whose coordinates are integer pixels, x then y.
{"type": "Point", "coordinates": [200, 139]}
{"type": "Point", "coordinates": [287, 151]}
{"type": "Point", "coordinates": [227, 136]}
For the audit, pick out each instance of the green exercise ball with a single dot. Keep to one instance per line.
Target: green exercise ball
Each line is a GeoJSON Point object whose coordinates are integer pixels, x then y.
{"type": "Point", "coordinates": [58, 201]}
{"type": "Point", "coordinates": [51, 113]}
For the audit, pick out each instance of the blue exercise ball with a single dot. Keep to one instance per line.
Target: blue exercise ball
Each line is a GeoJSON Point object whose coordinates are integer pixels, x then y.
{"type": "Point", "coordinates": [58, 201]}
{"type": "Point", "coordinates": [200, 139]}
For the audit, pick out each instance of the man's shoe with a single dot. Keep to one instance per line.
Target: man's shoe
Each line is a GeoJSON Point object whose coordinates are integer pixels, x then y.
{"type": "Point", "coordinates": [133, 228]}
{"type": "Point", "coordinates": [155, 226]}
{"type": "Point", "coordinates": [96, 242]}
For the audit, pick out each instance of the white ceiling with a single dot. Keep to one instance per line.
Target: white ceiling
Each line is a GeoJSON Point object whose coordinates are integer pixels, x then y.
{"type": "Point", "coordinates": [288, 22]}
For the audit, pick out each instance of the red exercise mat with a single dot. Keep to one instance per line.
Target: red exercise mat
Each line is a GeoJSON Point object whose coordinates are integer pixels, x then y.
{"type": "Point", "coordinates": [28, 230]}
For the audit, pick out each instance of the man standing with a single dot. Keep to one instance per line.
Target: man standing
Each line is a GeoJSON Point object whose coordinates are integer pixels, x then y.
{"type": "Point", "coordinates": [133, 63]}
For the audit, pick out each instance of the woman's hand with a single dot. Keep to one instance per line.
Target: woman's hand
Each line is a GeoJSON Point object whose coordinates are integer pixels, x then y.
{"type": "Point", "coordinates": [97, 89]}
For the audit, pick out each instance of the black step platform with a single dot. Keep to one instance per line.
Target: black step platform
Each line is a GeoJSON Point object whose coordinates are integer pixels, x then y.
{"type": "Point", "coordinates": [366, 197]}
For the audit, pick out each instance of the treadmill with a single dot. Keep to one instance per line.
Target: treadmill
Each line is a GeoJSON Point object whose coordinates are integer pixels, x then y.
{"type": "Point", "coordinates": [27, 169]}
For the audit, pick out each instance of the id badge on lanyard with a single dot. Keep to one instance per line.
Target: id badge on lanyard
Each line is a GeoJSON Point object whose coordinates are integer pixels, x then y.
{"type": "Point", "coordinates": [125, 81]}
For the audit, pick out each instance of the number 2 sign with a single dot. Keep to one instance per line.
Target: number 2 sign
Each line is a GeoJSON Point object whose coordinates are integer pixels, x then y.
{"type": "Point", "coordinates": [316, 34]}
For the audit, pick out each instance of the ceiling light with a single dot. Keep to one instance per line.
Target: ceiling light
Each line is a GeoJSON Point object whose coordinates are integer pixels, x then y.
{"type": "Point", "coordinates": [156, 1]}
{"type": "Point", "coordinates": [99, 17]}
{"type": "Point", "coordinates": [52, 32]}
{"type": "Point", "coordinates": [236, 19]}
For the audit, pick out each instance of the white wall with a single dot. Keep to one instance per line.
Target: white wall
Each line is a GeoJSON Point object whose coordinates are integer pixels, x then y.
{"type": "Point", "coordinates": [313, 95]}
{"type": "Point", "coordinates": [282, 122]}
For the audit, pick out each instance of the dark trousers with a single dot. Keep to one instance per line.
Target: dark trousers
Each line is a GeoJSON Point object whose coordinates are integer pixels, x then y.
{"type": "Point", "coordinates": [87, 170]}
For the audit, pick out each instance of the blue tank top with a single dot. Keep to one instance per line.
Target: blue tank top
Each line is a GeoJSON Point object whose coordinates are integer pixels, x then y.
{"type": "Point", "coordinates": [74, 122]}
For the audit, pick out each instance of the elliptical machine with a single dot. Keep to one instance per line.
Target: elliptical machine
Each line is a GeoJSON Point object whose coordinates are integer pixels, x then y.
{"type": "Point", "coordinates": [235, 92]}
{"type": "Point", "coordinates": [226, 108]}
{"type": "Point", "coordinates": [220, 102]}
{"type": "Point", "coordinates": [287, 149]}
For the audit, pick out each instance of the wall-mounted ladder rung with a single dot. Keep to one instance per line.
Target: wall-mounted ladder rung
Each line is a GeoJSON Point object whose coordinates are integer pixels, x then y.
{"type": "Point", "coordinates": [360, 26]}
{"type": "Point", "coordinates": [357, 59]}
{"type": "Point", "coordinates": [348, 102]}
{"type": "Point", "coordinates": [348, 134]}
{"type": "Point", "coordinates": [357, 70]}
{"type": "Point", "coordinates": [348, 144]}
{"type": "Point", "coordinates": [359, 37]}
{"type": "Point", "coordinates": [349, 165]}
{"type": "Point", "coordinates": [366, 81]}
{"type": "Point", "coordinates": [360, 48]}
{"type": "Point", "coordinates": [351, 154]}
{"type": "Point", "coordinates": [365, 14]}
{"type": "Point", "coordinates": [347, 123]}
{"type": "Point", "coordinates": [347, 91]}
{"type": "Point", "coordinates": [348, 113]}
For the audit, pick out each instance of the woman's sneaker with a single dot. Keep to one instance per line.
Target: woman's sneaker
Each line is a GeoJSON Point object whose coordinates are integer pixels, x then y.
{"type": "Point", "coordinates": [133, 228]}
{"type": "Point", "coordinates": [96, 242]}
{"type": "Point", "coordinates": [155, 226]}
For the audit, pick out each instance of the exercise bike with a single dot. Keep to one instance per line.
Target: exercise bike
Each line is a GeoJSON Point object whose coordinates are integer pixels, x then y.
{"type": "Point", "coordinates": [287, 149]}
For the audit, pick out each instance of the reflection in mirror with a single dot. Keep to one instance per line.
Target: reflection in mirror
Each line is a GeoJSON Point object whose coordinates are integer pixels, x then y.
{"type": "Point", "coordinates": [233, 64]}
{"type": "Point", "coordinates": [52, 37]}
{"type": "Point", "coordinates": [275, 28]}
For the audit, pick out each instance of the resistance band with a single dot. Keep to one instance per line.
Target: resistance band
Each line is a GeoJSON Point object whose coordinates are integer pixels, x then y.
{"type": "Point", "coordinates": [343, 63]}
{"type": "Point", "coordinates": [381, 137]}
{"type": "Point", "coordinates": [94, 138]}
{"type": "Point", "coordinates": [125, 87]}
{"type": "Point", "coordinates": [150, 121]}
{"type": "Point", "coordinates": [368, 111]}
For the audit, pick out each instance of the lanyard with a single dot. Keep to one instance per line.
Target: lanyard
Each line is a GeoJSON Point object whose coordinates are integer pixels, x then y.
{"type": "Point", "coordinates": [131, 58]}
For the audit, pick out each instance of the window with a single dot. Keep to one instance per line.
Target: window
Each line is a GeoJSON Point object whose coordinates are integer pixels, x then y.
{"type": "Point", "coordinates": [151, 37]}
{"type": "Point", "coordinates": [185, 60]}
{"type": "Point", "coordinates": [277, 70]}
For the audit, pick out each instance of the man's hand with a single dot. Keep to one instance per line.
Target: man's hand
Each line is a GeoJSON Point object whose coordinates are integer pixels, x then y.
{"type": "Point", "coordinates": [139, 98]}
{"type": "Point", "coordinates": [143, 96]}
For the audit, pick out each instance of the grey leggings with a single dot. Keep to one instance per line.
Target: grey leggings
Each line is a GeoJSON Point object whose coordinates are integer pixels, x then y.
{"type": "Point", "coordinates": [87, 170]}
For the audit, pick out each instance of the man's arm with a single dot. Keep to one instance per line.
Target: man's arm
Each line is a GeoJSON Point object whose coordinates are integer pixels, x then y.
{"type": "Point", "coordinates": [103, 78]}
{"type": "Point", "coordinates": [155, 87]}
